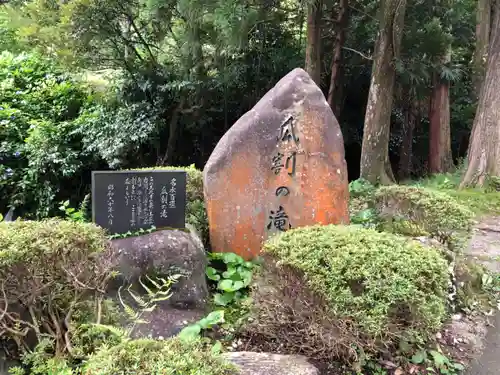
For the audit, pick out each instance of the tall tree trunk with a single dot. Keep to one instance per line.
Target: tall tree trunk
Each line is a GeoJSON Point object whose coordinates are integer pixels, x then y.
{"type": "Point", "coordinates": [483, 25]}
{"type": "Point", "coordinates": [333, 91]}
{"type": "Point", "coordinates": [339, 99]}
{"type": "Point", "coordinates": [484, 147]}
{"type": "Point", "coordinates": [440, 157]}
{"type": "Point", "coordinates": [412, 117]}
{"type": "Point", "coordinates": [173, 133]}
{"type": "Point", "coordinates": [313, 48]}
{"type": "Point", "coordinates": [375, 166]}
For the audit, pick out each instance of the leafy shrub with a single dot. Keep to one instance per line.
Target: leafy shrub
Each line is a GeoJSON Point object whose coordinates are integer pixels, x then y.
{"type": "Point", "coordinates": [49, 270]}
{"type": "Point", "coordinates": [434, 360]}
{"type": "Point", "coordinates": [194, 331]}
{"type": "Point", "coordinates": [233, 276]}
{"type": "Point", "coordinates": [426, 211]}
{"type": "Point", "coordinates": [327, 290]}
{"type": "Point", "coordinates": [115, 130]}
{"type": "Point", "coordinates": [361, 209]}
{"type": "Point", "coordinates": [480, 201]}
{"type": "Point", "coordinates": [493, 184]}
{"type": "Point", "coordinates": [72, 213]}
{"type": "Point", "coordinates": [442, 181]}
{"type": "Point", "coordinates": [145, 357]}
{"type": "Point", "coordinates": [476, 286]}
{"type": "Point", "coordinates": [41, 157]}
{"type": "Point", "coordinates": [360, 188]}
{"type": "Point", "coordinates": [367, 218]}
{"type": "Point", "coordinates": [42, 362]}
{"type": "Point", "coordinates": [87, 339]}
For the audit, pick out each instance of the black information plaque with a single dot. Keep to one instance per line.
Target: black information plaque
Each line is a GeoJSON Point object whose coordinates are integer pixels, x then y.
{"type": "Point", "coordinates": [125, 201]}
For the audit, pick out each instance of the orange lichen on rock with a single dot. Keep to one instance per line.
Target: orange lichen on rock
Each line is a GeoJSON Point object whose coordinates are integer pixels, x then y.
{"type": "Point", "coordinates": [280, 166]}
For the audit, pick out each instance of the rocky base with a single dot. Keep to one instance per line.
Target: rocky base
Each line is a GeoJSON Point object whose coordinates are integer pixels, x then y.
{"type": "Point", "coordinates": [251, 363]}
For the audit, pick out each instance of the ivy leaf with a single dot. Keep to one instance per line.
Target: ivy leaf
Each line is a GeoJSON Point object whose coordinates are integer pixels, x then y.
{"type": "Point", "coordinates": [212, 274]}
{"type": "Point", "coordinates": [227, 286]}
{"type": "Point", "coordinates": [238, 285]}
{"type": "Point", "coordinates": [229, 258]}
{"type": "Point", "coordinates": [439, 359]}
{"type": "Point", "coordinates": [223, 299]}
{"type": "Point", "coordinates": [189, 333]}
{"type": "Point", "coordinates": [215, 317]}
{"type": "Point", "coordinates": [217, 348]}
{"type": "Point", "coordinates": [419, 357]}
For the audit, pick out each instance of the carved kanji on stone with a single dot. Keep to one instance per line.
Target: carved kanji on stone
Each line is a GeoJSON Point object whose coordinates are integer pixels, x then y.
{"type": "Point", "coordinates": [280, 166]}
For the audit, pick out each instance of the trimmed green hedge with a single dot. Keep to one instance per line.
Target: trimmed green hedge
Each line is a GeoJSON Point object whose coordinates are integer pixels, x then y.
{"type": "Point", "coordinates": [366, 288]}
{"type": "Point", "coordinates": [51, 268]}
{"type": "Point", "coordinates": [424, 211]}
{"type": "Point", "coordinates": [28, 241]}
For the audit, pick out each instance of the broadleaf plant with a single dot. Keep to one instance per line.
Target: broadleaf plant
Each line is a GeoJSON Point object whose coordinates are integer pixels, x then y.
{"type": "Point", "coordinates": [232, 276]}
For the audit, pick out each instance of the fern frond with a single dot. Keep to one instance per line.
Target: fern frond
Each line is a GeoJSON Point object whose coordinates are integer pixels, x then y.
{"type": "Point", "coordinates": [128, 310]}
{"type": "Point", "coordinates": [165, 283]}
{"type": "Point", "coordinates": [163, 292]}
{"type": "Point", "coordinates": [148, 290]}
{"type": "Point", "coordinates": [159, 299]}
{"type": "Point", "coordinates": [137, 299]}
{"type": "Point", "coordinates": [153, 282]}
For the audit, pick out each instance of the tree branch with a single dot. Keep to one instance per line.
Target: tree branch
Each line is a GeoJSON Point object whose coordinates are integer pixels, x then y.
{"type": "Point", "coordinates": [99, 310]}
{"type": "Point", "coordinates": [141, 38]}
{"type": "Point", "coordinates": [359, 53]}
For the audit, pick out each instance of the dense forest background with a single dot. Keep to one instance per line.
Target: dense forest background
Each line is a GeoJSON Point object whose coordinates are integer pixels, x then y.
{"type": "Point", "coordinates": [96, 84]}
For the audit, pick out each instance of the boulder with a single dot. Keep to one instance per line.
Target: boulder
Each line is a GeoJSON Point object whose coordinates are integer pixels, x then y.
{"type": "Point", "coordinates": [163, 253]}
{"type": "Point", "coordinates": [280, 166]}
{"type": "Point", "coordinates": [250, 363]}
{"type": "Point", "coordinates": [165, 321]}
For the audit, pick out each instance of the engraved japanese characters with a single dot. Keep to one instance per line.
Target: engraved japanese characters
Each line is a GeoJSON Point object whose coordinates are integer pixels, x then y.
{"type": "Point", "coordinates": [130, 200]}
{"type": "Point", "coordinates": [278, 218]}
{"type": "Point", "coordinates": [280, 166]}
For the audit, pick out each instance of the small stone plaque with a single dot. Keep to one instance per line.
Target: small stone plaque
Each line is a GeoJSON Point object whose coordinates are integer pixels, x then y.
{"type": "Point", "coordinates": [125, 201]}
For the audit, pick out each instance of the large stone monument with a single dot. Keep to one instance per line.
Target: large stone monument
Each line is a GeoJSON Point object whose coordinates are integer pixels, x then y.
{"type": "Point", "coordinates": [280, 166]}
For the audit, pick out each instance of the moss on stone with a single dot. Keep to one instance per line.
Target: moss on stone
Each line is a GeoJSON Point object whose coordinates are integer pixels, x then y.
{"type": "Point", "coordinates": [425, 211]}
{"type": "Point", "coordinates": [145, 357]}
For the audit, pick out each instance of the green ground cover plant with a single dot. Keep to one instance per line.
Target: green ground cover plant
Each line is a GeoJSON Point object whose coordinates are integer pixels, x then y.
{"type": "Point", "coordinates": [336, 291]}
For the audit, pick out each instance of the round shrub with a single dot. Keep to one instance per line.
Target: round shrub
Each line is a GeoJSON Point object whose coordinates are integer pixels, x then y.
{"type": "Point", "coordinates": [49, 270]}
{"type": "Point", "coordinates": [432, 212]}
{"type": "Point", "coordinates": [361, 287]}
{"type": "Point", "coordinates": [360, 188]}
{"type": "Point", "coordinates": [151, 357]}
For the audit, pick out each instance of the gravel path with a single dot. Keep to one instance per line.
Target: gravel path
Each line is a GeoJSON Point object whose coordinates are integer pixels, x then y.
{"type": "Point", "coordinates": [485, 247]}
